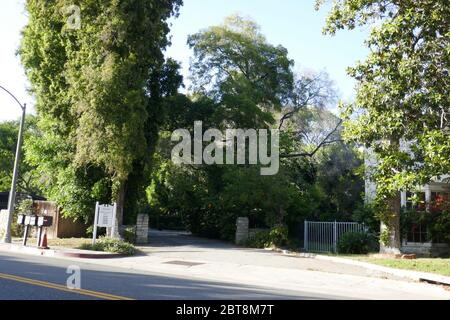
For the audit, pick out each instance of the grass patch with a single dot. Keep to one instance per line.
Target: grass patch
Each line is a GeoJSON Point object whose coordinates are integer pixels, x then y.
{"type": "Point", "coordinates": [110, 245]}
{"type": "Point", "coordinates": [439, 266]}
{"type": "Point", "coordinates": [71, 243]}
{"type": "Point", "coordinates": [435, 265]}
{"type": "Point", "coordinates": [68, 243]}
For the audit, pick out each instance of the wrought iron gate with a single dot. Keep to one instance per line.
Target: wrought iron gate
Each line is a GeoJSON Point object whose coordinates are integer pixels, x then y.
{"type": "Point", "coordinates": [324, 236]}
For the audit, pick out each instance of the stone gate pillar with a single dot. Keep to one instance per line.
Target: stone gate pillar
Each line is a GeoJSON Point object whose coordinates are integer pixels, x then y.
{"type": "Point", "coordinates": [241, 230]}
{"type": "Point", "coordinates": [142, 229]}
{"type": "Point", "coordinates": [3, 216]}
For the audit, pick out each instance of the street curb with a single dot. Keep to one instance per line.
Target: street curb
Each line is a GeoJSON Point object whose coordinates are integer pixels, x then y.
{"type": "Point", "coordinates": [408, 274]}
{"type": "Point", "coordinates": [82, 254]}
{"type": "Point", "coordinates": [105, 255]}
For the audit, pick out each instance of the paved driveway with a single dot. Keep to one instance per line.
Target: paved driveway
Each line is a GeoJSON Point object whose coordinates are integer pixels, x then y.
{"type": "Point", "coordinates": [173, 245]}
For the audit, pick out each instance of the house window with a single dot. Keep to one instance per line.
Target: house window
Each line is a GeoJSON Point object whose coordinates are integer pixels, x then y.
{"type": "Point", "coordinates": [425, 203]}
{"type": "Point", "coordinates": [415, 201]}
{"type": "Point", "coordinates": [418, 233]}
{"type": "Point", "coordinates": [439, 201]}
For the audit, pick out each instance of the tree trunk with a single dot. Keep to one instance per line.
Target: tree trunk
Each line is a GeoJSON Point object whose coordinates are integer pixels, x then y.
{"type": "Point", "coordinates": [394, 243]}
{"type": "Point", "coordinates": [120, 201]}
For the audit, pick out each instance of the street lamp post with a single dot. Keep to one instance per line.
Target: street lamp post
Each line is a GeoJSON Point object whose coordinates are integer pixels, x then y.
{"type": "Point", "coordinates": [12, 193]}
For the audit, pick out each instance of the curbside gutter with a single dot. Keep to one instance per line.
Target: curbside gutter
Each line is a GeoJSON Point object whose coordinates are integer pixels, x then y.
{"type": "Point", "coordinates": [408, 274]}
{"type": "Point", "coordinates": [72, 253]}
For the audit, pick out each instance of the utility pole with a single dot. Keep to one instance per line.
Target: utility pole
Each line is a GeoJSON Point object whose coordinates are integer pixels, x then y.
{"type": "Point", "coordinates": [12, 193]}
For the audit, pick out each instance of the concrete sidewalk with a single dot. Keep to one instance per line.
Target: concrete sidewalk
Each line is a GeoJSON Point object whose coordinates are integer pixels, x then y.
{"type": "Point", "coordinates": [58, 252]}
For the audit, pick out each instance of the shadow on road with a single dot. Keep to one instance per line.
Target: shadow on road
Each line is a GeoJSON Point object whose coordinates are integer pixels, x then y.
{"type": "Point", "coordinates": [164, 238]}
{"type": "Point", "coordinates": [118, 282]}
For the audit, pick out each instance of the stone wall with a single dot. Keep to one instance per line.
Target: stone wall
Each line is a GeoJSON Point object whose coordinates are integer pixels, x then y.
{"type": "Point", "coordinates": [426, 249]}
{"type": "Point", "coordinates": [243, 232]}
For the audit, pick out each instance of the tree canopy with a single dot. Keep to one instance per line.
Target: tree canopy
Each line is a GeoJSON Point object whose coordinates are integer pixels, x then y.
{"type": "Point", "coordinates": [240, 80]}
{"type": "Point", "coordinates": [402, 91]}
{"type": "Point", "coordinates": [107, 102]}
{"type": "Point", "coordinates": [28, 180]}
{"type": "Point", "coordinates": [235, 66]}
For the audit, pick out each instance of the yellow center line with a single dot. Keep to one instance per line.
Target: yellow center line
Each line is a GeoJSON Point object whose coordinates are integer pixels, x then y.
{"type": "Point", "coordinates": [46, 284]}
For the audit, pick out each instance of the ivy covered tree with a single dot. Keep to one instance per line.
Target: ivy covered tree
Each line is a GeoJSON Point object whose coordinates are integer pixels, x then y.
{"type": "Point", "coordinates": [99, 91]}
{"type": "Point", "coordinates": [402, 96]}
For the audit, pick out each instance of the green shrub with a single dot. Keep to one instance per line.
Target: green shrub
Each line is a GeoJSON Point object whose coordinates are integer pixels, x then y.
{"type": "Point", "coordinates": [355, 243]}
{"type": "Point", "coordinates": [278, 236]}
{"type": "Point", "coordinates": [110, 245]}
{"type": "Point", "coordinates": [129, 235]}
{"type": "Point", "coordinates": [275, 237]}
{"type": "Point", "coordinates": [23, 207]}
{"type": "Point", "coordinates": [366, 214]}
{"type": "Point", "coordinates": [258, 240]}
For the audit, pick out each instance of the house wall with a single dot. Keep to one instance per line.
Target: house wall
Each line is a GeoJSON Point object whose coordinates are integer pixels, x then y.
{"type": "Point", "coordinates": [426, 249]}
{"type": "Point", "coordinates": [438, 185]}
{"type": "Point", "coordinates": [428, 189]}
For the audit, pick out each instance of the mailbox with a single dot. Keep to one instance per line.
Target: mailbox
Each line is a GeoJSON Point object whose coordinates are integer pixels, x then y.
{"type": "Point", "coordinates": [35, 221]}
{"type": "Point", "coordinates": [30, 220]}
{"type": "Point", "coordinates": [21, 219]}
{"type": "Point", "coordinates": [26, 220]}
{"type": "Point", "coordinates": [44, 221]}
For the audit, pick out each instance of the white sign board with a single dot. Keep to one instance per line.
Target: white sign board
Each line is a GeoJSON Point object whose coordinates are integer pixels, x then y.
{"type": "Point", "coordinates": [105, 216]}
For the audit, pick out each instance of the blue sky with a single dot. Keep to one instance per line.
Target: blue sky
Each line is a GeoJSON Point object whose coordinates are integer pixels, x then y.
{"type": "Point", "coordinates": [292, 23]}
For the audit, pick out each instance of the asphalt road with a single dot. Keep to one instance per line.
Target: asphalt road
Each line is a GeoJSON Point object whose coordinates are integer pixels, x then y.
{"type": "Point", "coordinates": [34, 277]}
{"type": "Point", "coordinates": [177, 266]}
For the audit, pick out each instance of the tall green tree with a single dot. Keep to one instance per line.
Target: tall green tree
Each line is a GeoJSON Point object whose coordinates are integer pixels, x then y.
{"type": "Point", "coordinates": [28, 180]}
{"type": "Point", "coordinates": [402, 95]}
{"type": "Point", "coordinates": [97, 96]}
{"type": "Point", "coordinates": [241, 71]}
